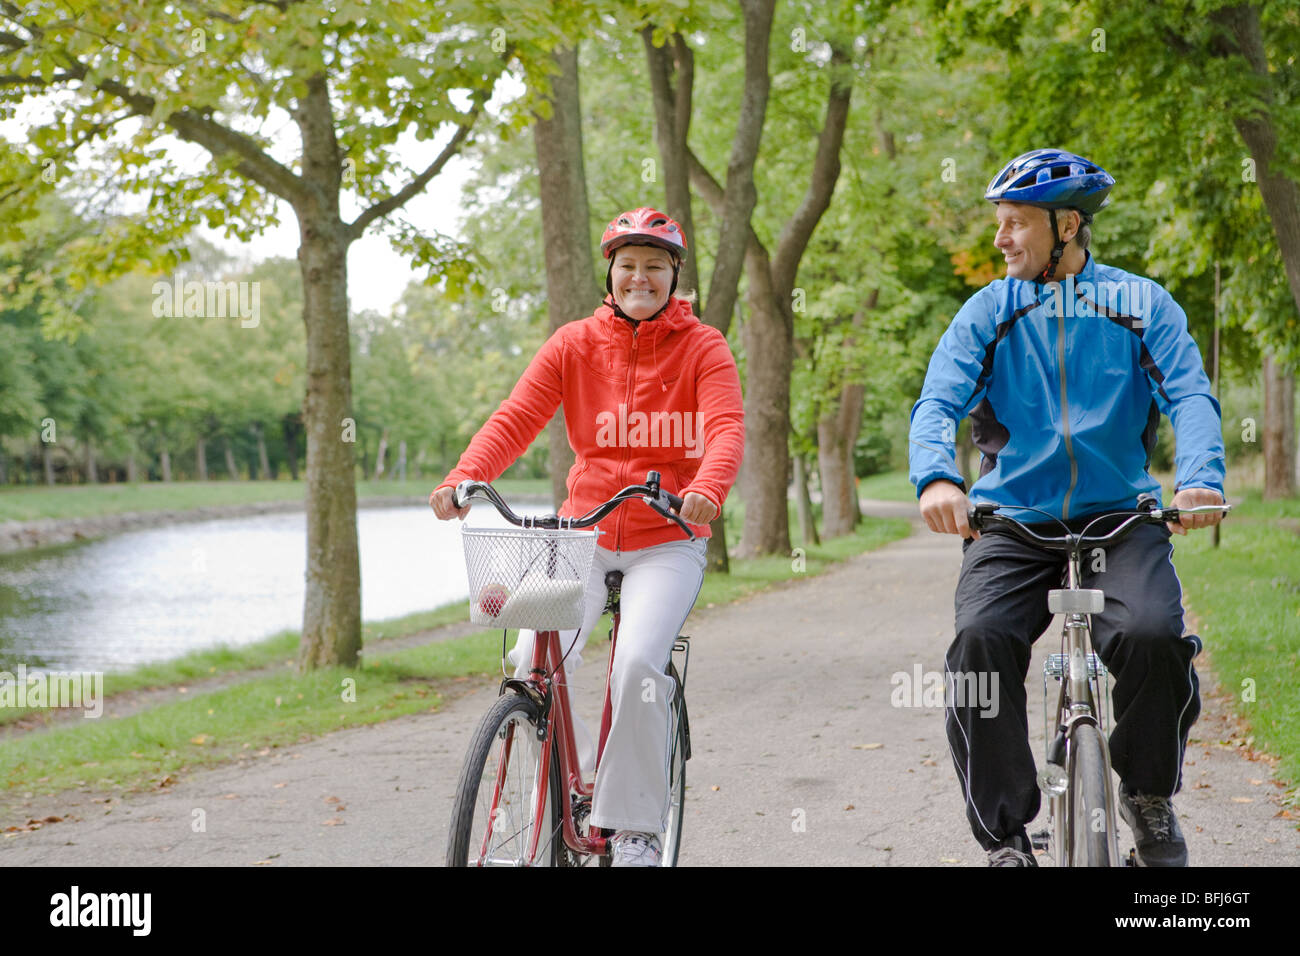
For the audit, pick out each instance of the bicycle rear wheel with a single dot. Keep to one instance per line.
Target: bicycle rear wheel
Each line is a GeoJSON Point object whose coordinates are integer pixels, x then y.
{"type": "Point", "coordinates": [671, 838]}
{"type": "Point", "coordinates": [1089, 825]}
{"type": "Point", "coordinates": [493, 818]}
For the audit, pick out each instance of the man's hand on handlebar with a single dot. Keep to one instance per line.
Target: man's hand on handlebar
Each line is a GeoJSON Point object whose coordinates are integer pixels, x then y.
{"type": "Point", "coordinates": [944, 507]}
{"type": "Point", "coordinates": [1194, 498]}
{"type": "Point", "coordinates": [440, 501]}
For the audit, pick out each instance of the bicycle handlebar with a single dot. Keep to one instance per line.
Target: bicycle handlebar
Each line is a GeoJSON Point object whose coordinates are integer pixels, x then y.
{"type": "Point", "coordinates": [981, 515]}
{"type": "Point", "coordinates": [662, 501]}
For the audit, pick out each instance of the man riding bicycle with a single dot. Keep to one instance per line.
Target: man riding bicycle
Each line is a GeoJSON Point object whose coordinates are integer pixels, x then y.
{"type": "Point", "coordinates": [1064, 368]}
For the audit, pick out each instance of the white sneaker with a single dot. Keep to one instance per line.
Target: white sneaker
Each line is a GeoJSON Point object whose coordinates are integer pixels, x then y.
{"type": "Point", "coordinates": [632, 848]}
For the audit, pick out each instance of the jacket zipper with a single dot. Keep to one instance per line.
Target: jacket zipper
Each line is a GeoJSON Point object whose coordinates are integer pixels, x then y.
{"type": "Point", "coordinates": [627, 405]}
{"type": "Point", "coordinates": [1065, 417]}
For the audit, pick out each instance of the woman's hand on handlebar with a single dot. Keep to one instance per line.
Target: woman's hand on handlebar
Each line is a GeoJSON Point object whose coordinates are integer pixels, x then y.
{"type": "Point", "coordinates": [697, 509]}
{"type": "Point", "coordinates": [944, 507]}
{"type": "Point", "coordinates": [440, 501]}
{"type": "Point", "coordinates": [1193, 498]}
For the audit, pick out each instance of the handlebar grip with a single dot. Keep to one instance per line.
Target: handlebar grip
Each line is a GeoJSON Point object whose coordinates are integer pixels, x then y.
{"type": "Point", "coordinates": [460, 493]}
{"type": "Point", "coordinates": [975, 516]}
{"type": "Point", "coordinates": [673, 500]}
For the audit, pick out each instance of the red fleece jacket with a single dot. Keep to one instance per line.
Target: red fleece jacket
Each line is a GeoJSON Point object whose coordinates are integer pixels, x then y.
{"type": "Point", "coordinates": [665, 397]}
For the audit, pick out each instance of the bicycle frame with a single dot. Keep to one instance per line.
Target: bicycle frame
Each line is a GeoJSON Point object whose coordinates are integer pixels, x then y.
{"type": "Point", "coordinates": [1076, 703]}
{"type": "Point", "coordinates": [547, 685]}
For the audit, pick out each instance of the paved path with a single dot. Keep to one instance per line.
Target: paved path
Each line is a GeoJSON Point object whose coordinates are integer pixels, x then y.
{"type": "Point", "coordinates": [799, 757]}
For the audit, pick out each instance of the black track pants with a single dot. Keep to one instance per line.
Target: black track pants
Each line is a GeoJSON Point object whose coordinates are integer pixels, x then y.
{"type": "Point", "coordinates": [1001, 605]}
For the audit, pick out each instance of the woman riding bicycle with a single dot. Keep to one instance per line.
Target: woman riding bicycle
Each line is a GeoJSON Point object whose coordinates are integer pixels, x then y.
{"type": "Point", "coordinates": [645, 386]}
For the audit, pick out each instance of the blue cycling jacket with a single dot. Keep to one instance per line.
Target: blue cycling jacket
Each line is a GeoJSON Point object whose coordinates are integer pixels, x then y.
{"type": "Point", "coordinates": [1065, 384]}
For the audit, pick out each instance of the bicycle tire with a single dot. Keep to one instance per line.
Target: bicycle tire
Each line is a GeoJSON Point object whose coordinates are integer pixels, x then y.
{"type": "Point", "coordinates": [678, 755]}
{"type": "Point", "coordinates": [509, 726]}
{"type": "Point", "coordinates": [1089, 841]}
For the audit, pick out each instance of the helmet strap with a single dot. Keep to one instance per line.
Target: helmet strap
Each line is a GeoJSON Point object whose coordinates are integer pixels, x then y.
{"type": "Point", "coordinates": [1058, 249]}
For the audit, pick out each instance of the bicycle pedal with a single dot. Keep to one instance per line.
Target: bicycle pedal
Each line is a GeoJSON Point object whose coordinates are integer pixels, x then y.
{"type": "Point", "coordinates": [1131, 859]}
{"type": "Point", "coordinates": [1040, 839]}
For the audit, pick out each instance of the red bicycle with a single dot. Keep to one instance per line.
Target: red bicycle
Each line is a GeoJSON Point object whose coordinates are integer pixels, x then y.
{"type": "Point", "coordinates": [522, 798]}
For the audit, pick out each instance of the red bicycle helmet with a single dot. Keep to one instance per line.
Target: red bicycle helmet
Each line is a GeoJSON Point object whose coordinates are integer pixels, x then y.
{"type": "Point", "coordinates": [643, 227]}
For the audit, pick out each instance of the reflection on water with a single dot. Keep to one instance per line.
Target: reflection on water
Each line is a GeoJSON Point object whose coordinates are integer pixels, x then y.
{"type": "Point", "coordinates": [150, 595]}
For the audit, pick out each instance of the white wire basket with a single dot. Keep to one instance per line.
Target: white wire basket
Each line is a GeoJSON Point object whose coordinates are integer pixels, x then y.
{"type": "Point", "coordinates": [527, 577]}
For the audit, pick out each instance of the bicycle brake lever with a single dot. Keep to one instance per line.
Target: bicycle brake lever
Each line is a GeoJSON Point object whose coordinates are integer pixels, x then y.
{"type": "Point", "coordinates": [661, 509]}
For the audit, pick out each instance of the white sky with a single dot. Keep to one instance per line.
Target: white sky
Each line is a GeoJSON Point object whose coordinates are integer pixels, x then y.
{"type": "Point", "coordinates": [376, 273]}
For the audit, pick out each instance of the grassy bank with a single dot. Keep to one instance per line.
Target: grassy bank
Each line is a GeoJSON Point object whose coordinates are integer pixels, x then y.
{"type": "Point", "coordinates": [87, 501]}
{"type": "Point", "coordinates": [279, 709]}
{"type": "Point", "coordinates": [1246, 595]}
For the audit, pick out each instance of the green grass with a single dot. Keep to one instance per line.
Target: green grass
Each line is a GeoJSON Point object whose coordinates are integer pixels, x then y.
{"type": "Point", "coordinates": [279, 649]}
{"type": "Point", "coordinates": [887, 486]}
{"type": "Point", "coordinates": [280, 709]}
{"type": "Point", "coordinates": [146, 749]}
{"type": "Point", "coordinates": [30, 503]}
{"type": "Point", "coordinates": [1246, 595]}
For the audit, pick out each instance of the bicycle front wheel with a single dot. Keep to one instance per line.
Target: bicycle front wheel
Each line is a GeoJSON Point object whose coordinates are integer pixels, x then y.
{"type": "Point", "coordinates": [495, 812]}
{"type": "Point", "coordinates": [1089, 825]}
{"type": "Point", "coordinates": [680, 750]}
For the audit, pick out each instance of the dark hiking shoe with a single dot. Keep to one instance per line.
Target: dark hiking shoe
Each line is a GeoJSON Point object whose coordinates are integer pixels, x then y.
{"type": "Point", "coordinates": [1014, 851]}
{"type": "Point", "coordinates": [1155, 826]}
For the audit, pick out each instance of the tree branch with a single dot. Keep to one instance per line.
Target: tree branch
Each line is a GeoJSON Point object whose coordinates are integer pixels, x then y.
{"type": "Point", "coordinates": [395, 201]}
{"type": "Point", "coordinates": [799, 228]}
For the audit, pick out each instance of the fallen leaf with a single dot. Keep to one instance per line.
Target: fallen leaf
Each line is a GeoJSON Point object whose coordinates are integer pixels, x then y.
{"type": "Point", "coordinates": [199, 739]}
{"type": "Point", "coordinates": [715, 787]}
{"type": "Point", "coordinates": [1254, 782]}
{"type": "Point", "coordinates": [279, 785]}
{"type": "Point", "coordinates": [230, 796]}
{"type": "Point", "coordinates": [1243, 800]}
{"type": "Point", "coordinates": [333, 822]}
{"type": "Point", "coordinates": [949, 859]}
{"type": "Point", "coordinates": [867, 746]}
{"type": "Point", "coordinates": [849, 807]}
{"type": "Point", "coordinates": [928, 763]}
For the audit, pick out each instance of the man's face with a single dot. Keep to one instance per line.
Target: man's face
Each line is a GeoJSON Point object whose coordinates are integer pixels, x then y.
{"type": "Point", "coordinates": [1024, 238]}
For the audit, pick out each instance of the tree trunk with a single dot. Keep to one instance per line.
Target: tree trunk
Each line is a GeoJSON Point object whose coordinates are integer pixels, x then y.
{"type": "Point", "coordinates": [132, 472]}
{"type": "Point", "coordinates": [165, 464]}
{"type": "Point", "coordinates": [381, 454]}
{"type": "Point", "coordinates": [566, 233]}
{"type": "Point", "coordinates": [1280, 192]}
{"type": "Point", "coordinates": [1279, 430]}
{"type": "Point", "coordinates": [231, 468]}
{"type": "Point", "coordinates": [201, 458]}
{"type": "Point", "coordinates": [399, 473]}
{"type": "Point", "coordinates": [768, 334]}
{"type": "Point", "coordinates": [331, 632]}
{"type": "Point", "coordinates": [92, 471]}
{"type": "Point", "coordinates": [291, 427]}
{"type": "Point", "coordinates": [837, 435]}
{"type": "Point", "coordinates": [263, 466]}
{"type": "Point", "coordinates": [803, 502]}
{"type": "Point", "coordinates": [47, 461]}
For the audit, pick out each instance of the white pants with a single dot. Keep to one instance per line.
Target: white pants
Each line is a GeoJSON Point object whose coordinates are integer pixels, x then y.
{"type": "Point", "coordinates": [660, 585]}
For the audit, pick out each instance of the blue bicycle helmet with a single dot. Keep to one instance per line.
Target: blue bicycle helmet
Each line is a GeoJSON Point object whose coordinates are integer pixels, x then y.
{"type": "Point", "coordinates": [1053, 179]}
